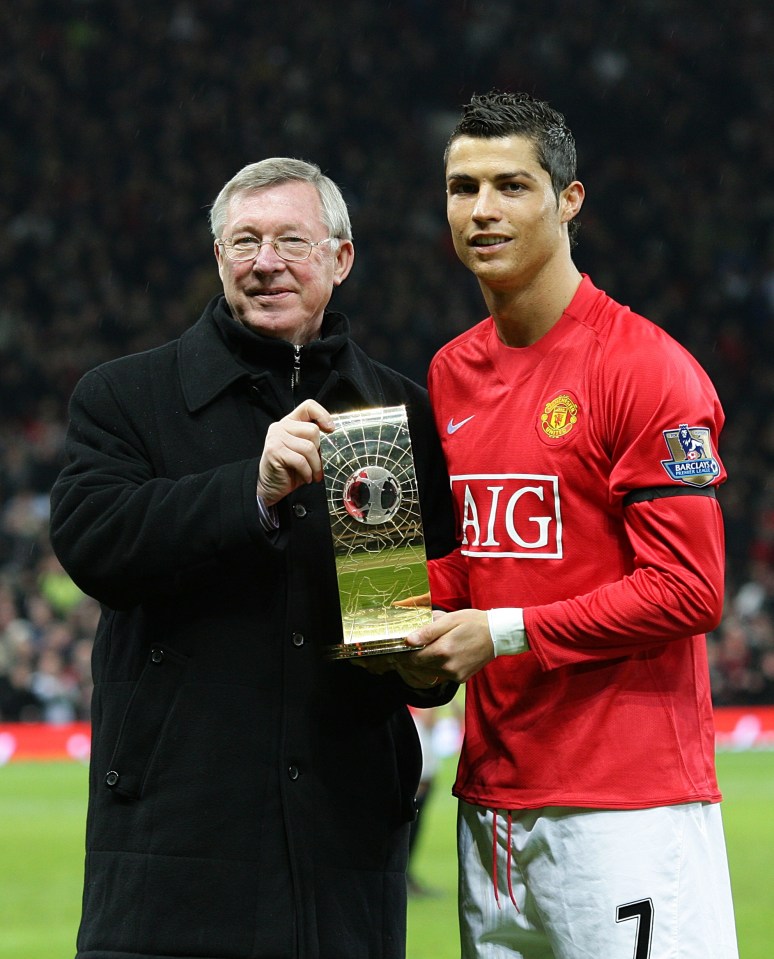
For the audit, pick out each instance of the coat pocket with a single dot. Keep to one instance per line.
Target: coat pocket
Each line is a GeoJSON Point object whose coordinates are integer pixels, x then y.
{"type": "Point", "coordinates": [143, 721]}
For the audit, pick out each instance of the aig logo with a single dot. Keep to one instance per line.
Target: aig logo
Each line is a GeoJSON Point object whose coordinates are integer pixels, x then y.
{"type": "Point", "coordinates": [509, 514]}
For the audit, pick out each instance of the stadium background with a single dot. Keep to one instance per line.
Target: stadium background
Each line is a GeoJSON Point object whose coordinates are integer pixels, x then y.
{"type": "Point", "coordinates": [120, 122]}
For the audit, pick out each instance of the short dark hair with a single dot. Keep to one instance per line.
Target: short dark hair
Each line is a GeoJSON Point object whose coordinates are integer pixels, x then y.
{"type": "Point", "coordinates": [503, 114]}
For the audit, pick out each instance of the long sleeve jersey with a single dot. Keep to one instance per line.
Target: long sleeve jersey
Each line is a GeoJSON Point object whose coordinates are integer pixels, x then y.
{"type": "Point", "coordinates": [583, 470]}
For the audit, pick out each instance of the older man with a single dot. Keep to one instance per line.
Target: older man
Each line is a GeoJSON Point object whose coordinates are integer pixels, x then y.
{"type": "Point", "coordinates": [247, 797]}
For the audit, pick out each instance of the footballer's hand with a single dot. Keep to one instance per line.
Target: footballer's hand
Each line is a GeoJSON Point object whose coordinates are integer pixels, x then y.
{"type": "Point", "coordinates": [376, 665]}
{"type": "Point", "coordinates": [423, 599]}
{"type": "Point", "coordinates": [417, 675]}
{"type": "Point", "coordinates": [454, 646]}
{"type": "Point", "coordinates": [291, 453]}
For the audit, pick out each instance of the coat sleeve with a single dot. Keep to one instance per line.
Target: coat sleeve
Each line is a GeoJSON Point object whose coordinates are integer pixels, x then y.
{"type": "Point", "coordinates": [123, 532]}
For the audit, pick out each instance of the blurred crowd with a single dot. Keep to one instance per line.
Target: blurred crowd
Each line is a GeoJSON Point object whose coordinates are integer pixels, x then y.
{"type": "Point", "coordinates": [120, 123]}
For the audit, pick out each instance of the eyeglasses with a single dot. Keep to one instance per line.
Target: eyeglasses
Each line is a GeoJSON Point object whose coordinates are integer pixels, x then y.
{"type": "Point", "coordinates": [291, 248]}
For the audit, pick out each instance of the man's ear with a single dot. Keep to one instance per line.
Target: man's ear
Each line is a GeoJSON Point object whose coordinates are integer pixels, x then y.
{"type": "Point", "coordinates": [571, 200]}
{"type": "Point", "coordinates": [345, 257]}
{"type": "Point", "coordinates": [219, 258]}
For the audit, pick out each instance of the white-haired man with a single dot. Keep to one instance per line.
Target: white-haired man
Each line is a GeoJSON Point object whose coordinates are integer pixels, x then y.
{"type": "Point", "coordinates": [247, 797]}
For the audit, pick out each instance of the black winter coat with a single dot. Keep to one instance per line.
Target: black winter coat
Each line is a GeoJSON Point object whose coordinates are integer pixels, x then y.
{"type": "Point", "coordinates": [247, 798]}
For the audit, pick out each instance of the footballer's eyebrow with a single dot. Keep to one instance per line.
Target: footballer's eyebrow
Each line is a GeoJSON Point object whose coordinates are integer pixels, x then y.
{"type": "Point", "coordinates": [498, 178]}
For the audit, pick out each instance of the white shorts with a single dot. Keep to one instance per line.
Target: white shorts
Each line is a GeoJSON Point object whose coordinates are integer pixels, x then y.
{"type": "Point", "coordinates": [595, 884]}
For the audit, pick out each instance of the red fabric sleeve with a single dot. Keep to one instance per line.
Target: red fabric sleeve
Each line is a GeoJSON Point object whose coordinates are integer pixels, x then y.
{"type": "Point", "coordinates": [675, 590]}
{"type": "Point", "coordinates": [448, 577]}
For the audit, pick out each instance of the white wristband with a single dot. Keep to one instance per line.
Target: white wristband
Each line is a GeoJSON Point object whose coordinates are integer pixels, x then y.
{"type": "Point", "coordinates": [506, 627]}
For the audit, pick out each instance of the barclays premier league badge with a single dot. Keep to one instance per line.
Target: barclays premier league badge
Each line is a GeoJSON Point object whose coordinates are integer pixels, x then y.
{"type": "Point", "coordinates": [379, 547]}
{"type": "Point", "coordinates": [693, 461]}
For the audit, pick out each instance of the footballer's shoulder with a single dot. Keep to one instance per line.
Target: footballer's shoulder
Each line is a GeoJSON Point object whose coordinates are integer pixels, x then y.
{"type": "Point", "coordinates": [621, 329]}
{"type": "Point", "coordinates": [599, 312]}
{"type": "Point", "coordinates": [471, 339]}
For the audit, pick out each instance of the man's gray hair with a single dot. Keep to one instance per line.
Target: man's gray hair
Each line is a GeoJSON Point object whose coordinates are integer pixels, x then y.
{"type": "Point", "coordinates": [272, 172]}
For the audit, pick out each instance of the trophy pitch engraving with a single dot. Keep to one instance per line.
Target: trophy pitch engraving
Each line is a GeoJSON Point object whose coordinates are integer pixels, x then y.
{"type": "Point", "coordinates": [379, 546]}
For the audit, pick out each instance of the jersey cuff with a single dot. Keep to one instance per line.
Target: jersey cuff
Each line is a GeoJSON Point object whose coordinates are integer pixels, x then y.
{"type": "Point", "coordinates": [506, 626]}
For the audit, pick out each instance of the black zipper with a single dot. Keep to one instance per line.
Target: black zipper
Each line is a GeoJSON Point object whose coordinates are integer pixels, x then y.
{"type": "Point", "coordinates": [295, 377]}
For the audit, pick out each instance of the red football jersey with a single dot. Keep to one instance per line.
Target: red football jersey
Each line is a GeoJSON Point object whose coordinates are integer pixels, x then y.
{"type": "Point", "coordinates": [583, 469]}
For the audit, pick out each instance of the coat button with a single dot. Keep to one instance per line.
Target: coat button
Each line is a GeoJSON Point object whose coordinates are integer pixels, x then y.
{"type": "Point", "coordinates": [112, 778]}
{"type": "Point", "coordinates": [293, 772]}
{"type": "Point", "coordinates": [298, 639]}
{"type": "Point", "coordinates": [157, 655]}
{"type": "Point", "coordinates": [299, 509]}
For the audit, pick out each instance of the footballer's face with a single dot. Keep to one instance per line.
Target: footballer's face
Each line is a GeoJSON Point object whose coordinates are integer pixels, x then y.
{"type": "Point", "coordinates": [271, 295]}
{"type": "Point", "coordinates": [507, 224]}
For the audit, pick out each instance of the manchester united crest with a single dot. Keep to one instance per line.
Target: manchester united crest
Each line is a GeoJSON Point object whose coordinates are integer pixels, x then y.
{"type": "Point", "coordinates": [559, 416]}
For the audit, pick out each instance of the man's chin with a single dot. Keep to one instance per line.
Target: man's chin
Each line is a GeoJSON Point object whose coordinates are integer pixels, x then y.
{"type": "Point", "coordinates": [278, 327]}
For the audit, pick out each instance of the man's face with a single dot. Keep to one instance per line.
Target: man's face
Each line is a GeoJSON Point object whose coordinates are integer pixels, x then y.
{"type": "Point", "coordinates": [271, 295]}
{"type": "Point", "coordinates": [506, 223]}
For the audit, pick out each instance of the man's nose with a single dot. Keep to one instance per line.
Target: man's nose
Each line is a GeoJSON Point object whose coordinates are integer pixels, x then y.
{"type": "Point", "coordinates": [267, 259]}
{"type": "Point", "coordinates": [487, 206]}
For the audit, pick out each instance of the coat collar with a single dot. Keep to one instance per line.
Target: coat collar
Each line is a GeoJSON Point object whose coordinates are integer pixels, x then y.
{"type": "Point", "coordinates": [208, 365]}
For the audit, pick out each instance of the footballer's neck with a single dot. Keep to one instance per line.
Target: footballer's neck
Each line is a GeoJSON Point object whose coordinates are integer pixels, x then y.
{"type": "Point", "coordinates": [522, 315]}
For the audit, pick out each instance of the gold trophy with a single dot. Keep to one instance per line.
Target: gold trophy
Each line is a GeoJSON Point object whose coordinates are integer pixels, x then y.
{"type": "Point", "coordinates": [379, 546]}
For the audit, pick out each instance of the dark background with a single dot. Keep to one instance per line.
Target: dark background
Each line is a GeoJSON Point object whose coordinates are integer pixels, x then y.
{"type": "Point", "coordinates": [120, 122]}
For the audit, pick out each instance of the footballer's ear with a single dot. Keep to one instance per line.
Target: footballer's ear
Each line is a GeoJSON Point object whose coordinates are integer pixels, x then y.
{"type": "Point", "coordinates": [571, 200]}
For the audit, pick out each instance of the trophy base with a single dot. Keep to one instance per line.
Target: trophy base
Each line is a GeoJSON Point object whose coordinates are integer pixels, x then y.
{"type": "Point", "coordinates": [367, 647]}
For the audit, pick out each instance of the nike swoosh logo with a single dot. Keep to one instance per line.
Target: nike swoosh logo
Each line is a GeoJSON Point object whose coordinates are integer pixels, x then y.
{"type": "Point", "coordinates": [453, 427]}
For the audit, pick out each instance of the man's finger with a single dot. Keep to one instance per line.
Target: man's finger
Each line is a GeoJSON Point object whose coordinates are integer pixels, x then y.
{"type": "Point", "coordinates": [310, 411]}
{"type": "Point", "coordinates": [422, 600]}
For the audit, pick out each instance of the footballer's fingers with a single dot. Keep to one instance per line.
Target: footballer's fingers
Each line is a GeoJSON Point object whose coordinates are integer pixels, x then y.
{"type": "Point", "coordinates": [377, 665]}
{"type": "Point", "coordinates": [423, 599]}
{"type": "Point", "coordinates": [417, 675]}
{"type": "Point", "coordinates": [456, 645]}
{"type": "Point", "coordinates": [411, 672]}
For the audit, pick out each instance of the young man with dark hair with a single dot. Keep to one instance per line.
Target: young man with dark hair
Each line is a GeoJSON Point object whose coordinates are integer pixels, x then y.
{"type": "Point", "coordinates": [590, 565]}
